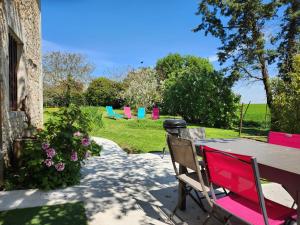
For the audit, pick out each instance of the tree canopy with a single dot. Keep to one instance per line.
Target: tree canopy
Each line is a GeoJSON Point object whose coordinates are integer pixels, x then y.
{"type": "Point", "coordinates": [248, 44]}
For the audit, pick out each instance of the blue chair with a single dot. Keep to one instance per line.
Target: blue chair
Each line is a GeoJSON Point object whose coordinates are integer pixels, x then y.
{"type": "Point", "coordinates": [141, 113]}
{"type": "Point", "coordinates": [111, 113]}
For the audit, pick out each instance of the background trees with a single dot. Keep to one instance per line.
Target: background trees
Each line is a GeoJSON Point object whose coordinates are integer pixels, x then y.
{"type": "Point", "coordinates": [141, 88]}
{"type": "Point", "coordinates": [254, 34]}
{"type": "Point", "coordinates": [65, 76]}
{"type": "Point", "coordinates": [103, 91]}
{"type": "Point", "coordinates": [286, 111]}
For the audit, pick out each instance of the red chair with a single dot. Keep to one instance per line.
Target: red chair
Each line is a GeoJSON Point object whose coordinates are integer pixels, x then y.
{"type": "Point", "coordinates": [155, 113]}
{"type": "Point", "coordinates": [284, 139]}
{"type": "Point", "coordinates": [245, 203]}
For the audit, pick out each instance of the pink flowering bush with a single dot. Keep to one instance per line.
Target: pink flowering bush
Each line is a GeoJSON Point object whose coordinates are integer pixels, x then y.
{"type": "Point", "coordinates": [54, 160]}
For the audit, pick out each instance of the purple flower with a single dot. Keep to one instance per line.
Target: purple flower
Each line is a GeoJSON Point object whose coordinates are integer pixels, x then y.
{"type": "Point", "coordinates": [48, 162]}
{"type": "Point", "coordinates": [45, 146]}
{"type": "Point", "coordinates": [77, 134]}
{"type": "Point", "coordinates": [74, 156]}
{"type": "Point", "coordinates": [50, 153]}
{"type": "Point", "coordinates": [60, 166]}
{"type": "Point", "coordinates": [87, 154]}
{"type": "Point", "coordinates": [85, 142]}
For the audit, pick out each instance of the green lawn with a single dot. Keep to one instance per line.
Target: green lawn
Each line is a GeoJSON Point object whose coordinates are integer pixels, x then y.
{"type": "Point", "coordinates": [65, 214]}
{"type": "Point", "coordinates": [140, 136]}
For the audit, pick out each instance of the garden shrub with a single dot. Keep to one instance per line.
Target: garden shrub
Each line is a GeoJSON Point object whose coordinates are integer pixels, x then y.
{"type": "Point", "coordinates": [200, 95]}
{"type": "Point", "coordinates": [103, 91]}
{"type": "Point", "coordinates": [286, 103]}
{"type": "Point", "coordinates": [55, 157]}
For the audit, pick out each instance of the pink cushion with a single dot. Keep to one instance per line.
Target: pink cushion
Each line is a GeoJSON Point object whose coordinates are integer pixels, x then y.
{"type": "Point", "coordinates": [250, 211]}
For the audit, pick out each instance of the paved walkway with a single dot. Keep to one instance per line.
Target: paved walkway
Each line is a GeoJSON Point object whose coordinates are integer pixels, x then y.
{"type": "Point", "coordinates": [124, 189]}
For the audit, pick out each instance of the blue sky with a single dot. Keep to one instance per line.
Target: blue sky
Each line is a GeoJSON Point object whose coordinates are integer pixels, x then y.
{"type": "Point", "coordinates": [115, 34]}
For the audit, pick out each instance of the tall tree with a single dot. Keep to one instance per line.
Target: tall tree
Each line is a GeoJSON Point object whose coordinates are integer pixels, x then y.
{"type": "Point", "coordinates": [289, 37]}
{"type": "Point", "coordinates": [65, 71]}
{"type": "Point", "coordinates": [141, 88]}
{"type": "Point", "coordinates": [240, 27]}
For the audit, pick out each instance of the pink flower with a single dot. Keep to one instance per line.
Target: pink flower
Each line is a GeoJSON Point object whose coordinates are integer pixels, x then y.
{"type": "Point", "coordinates": [60, 166]}
{"type": "Point", "coordinates": [87, 154]}
{"type": "Point", "coordinates": [77, 134]}
{"type": "Point", "coordinates": [85, 142]}
{"type": "Point", "coordinates": [50, 153]}
{"type": "Point", "coordinates": [45, 146]}
{"type": "Point", "coordinates": [74, 156]}
{"type": "Point", "coordinates": [48, 162]}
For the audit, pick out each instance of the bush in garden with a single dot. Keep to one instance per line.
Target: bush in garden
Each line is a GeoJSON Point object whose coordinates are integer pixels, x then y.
{"type": "Point", "coordinates": [286, 103]}
{"type": "Point", "coordinates": [103, 91]}
{"type": "Point", "coordinates": [200, 95]}
{"type": "Point", "coordinates": [54, 159]}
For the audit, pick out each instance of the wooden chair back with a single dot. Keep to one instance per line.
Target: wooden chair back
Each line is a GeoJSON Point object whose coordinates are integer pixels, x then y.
{"type": "Point", "coordinates": [193, 133]}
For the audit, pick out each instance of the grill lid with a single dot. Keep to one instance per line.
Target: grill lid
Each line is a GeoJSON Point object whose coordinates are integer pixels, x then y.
{"type": "Point", "coordinates": [174, 124]}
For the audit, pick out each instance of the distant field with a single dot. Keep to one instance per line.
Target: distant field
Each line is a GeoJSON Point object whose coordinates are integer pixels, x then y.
{"type": "Point", "coordinates": [256, 115]}
{"type": "Point", "coordinates": [148, 135]}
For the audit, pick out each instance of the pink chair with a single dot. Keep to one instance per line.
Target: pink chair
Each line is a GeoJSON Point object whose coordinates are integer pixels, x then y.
{"type": "Point", "coordinates": [155, 113]}
{"type": "Point", "coordinates": [127, 112]}
{"type": "Point", "coordinates": [284, 139]}
{"type": "Point", "coordinates": [245, 202]}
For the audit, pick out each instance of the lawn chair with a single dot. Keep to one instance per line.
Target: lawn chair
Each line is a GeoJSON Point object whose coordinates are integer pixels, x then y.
{"type": "Point", "coordinates": [183, 152]}
{"type": "Point", "coordinates": [284, 139]}
{"type": "Point", "coordinates": [193, 134]}
{"type": "Point", "coordinates": [127, 112]}
{"type": "Point", "coordinates": [245, 204]}
{"type": "Point", "coordinates": [111, 113]}
{"type": "Point", "coordinates": [155, 113]}
{"type": "Point", "coordinates": [141, 113]}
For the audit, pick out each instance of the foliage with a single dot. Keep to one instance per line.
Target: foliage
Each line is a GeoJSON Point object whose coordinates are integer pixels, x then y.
{"type": "Point", "coordinates": [288, 37]}
{"type": "Point", "coordinates": [56, 96]}
{"type": "Point", "coordinates": [141, 88]}
{"type": "Point", "coordinates": [103, 91]}
{"type": "Point", "coordinates": [247, 42]}
{"type": "Point", "coordinates": [54, 159]}
{"type": "Point", "coordinates": [168, 64]}
{"type": "Point", "coordinates": [204, 98]}
{"type": "Point", "coordinates": [286, 110]}
{"type": "Point", "coordinates": [63, 74]}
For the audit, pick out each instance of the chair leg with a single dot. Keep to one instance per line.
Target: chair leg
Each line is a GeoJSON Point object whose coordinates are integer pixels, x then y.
{"type": "Point", "coordinates": [200, 201]}
{"type": "Point", "coordinates": [173, 213]}
{"type": "Point", "coordinates": [206, 220]}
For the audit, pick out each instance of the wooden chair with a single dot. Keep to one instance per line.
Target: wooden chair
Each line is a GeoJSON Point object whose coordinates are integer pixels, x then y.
{"type": "Point", "coordinates": [193, 133]}
{"type": "Point", "coordinates": [189, 174]}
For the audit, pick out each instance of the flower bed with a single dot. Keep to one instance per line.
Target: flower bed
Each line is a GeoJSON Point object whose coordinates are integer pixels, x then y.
{"type": "Point", "coordinates": [54, 158]}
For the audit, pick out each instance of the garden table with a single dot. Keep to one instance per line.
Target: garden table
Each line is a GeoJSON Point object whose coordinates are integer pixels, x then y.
{"type": "Point", "coordinates": [276, 163]}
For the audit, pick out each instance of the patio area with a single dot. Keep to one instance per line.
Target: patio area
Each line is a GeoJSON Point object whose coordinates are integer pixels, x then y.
{"type": "Point", "coordinates": [117, 188]}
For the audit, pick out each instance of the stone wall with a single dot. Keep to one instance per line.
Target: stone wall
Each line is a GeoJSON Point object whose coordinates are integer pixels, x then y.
{"type": "Point", "coordinates": [20, 18]}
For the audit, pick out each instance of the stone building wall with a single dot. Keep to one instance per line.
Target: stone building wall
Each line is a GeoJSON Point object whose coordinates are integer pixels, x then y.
{"type": "Point", "coordinates": [22, 20]}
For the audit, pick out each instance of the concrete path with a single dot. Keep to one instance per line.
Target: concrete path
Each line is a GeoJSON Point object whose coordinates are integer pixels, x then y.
{"type": "Point", "coordinates": [124, 189]}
